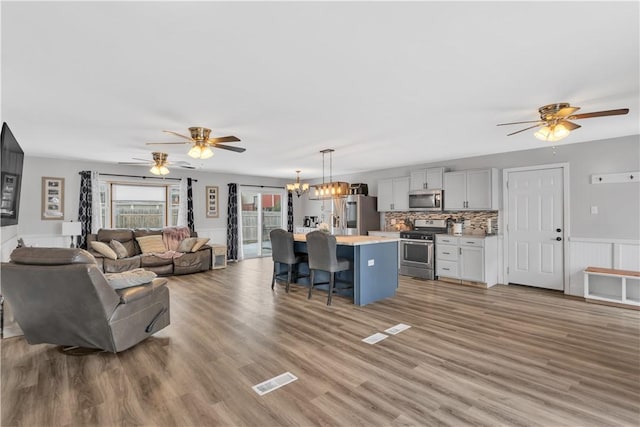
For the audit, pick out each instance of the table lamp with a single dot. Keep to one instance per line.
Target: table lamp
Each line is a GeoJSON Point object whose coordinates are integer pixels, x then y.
{"type": "Point", "coordinates": [71, 229]}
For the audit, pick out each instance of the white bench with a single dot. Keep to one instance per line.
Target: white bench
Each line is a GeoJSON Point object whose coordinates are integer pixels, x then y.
{"type": "Point", "coordinates": [611, 286]}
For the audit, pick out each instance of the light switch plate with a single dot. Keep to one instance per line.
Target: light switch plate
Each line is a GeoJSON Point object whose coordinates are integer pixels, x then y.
{"type": "Point", "coordinates": [371, 262]}
{"type": "Point", "coordinates": [594, 210]}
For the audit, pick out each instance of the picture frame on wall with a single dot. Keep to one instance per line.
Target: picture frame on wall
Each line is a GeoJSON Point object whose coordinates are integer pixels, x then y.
{"type": "Point", "coordinates": [52, 198]}
{"type": "Point", "coordinates": [212, 201]}
{"type": "Point", "coordinates": [10, 183]}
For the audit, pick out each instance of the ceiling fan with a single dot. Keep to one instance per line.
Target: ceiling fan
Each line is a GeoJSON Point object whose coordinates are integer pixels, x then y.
{"type": "Point", "coordinates": [554, 119]}
{"type": "Point", "coordinates": [202, 142]}
{"type": "Point", "coordinates": [159, 163]}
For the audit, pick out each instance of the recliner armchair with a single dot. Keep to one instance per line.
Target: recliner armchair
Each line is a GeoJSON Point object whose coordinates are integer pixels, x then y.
{"type": "Point", "coordinates": [60, 296]}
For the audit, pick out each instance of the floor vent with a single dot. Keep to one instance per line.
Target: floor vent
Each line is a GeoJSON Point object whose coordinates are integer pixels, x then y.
{"type": "Point", "coordinates": [274, 383]}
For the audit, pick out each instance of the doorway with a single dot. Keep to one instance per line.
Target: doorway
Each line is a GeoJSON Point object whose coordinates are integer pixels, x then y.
{"type": "Point", "coordinates": [262, 211]}
{"type": "Point", "coordinates": [536, 203]}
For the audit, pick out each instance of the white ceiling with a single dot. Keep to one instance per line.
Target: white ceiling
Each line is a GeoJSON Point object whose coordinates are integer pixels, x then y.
{"type": "Point", "coordinates": [384, 84]}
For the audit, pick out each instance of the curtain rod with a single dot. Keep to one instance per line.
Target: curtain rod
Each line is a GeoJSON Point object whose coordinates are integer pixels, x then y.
{"type": "Point", "coordinates": [262, 186]}
{"type": "Point", "coordinates": [143, 177]}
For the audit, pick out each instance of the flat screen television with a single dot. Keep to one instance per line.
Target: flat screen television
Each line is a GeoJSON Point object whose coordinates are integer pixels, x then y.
{"type": "Point", "coordinates": [11, 177]}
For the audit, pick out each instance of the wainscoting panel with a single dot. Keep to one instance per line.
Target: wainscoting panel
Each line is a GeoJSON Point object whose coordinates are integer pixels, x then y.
{"type": "Point", "coordinates": [585, 252]}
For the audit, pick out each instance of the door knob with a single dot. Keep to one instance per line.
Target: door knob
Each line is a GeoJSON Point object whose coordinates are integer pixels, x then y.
{"type": "Point", "coordinates": [558, 230]}
{"type": "Point", "coordinates": [558, 238]}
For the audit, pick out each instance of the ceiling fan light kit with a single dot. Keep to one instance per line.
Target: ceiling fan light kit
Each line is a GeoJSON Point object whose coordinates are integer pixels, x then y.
{"type": "Point", "coordinates": [554, 119]}
{"type": "Point", "coordinates": [552, 133]}
{"type": "Point", "coordinates": [297, 187]}
{"type": "Point", "coordinates": [200, 151]}
{"type": "Point", "coordinates": [160, 160]}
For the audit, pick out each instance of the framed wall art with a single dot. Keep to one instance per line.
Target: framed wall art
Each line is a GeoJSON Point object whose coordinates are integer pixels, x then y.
{"type": "Point", "coordinates": [52, 198]}
{"type": "Point", "coordinates": [212, 201]}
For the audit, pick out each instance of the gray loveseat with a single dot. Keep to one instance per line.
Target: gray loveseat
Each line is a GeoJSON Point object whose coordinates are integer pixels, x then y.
{"type": "Point", "coordinates": [190, 262]}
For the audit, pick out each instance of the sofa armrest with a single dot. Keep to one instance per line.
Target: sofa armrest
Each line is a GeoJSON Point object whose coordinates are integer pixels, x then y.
{"type": "Point", "coordinates": [134, 293]}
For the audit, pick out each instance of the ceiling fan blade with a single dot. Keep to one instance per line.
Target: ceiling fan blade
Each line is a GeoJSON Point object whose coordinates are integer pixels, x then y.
{"type": "Point", "coordinates": [180, 135]}
{"type": "Point", "coordinates": [564, 112]}
{"type": "Point", "coordinates": [617, 112]}
{"type": "Point", "coordinates": [569, 125]}
{"type": "Point", "coordinates": [181, 163]}
{"type": "Point", "coordinates": [142, 160]}
{"type": "Point", "coordinates": [186, 167]}
{"type": "Point", "coordinates": [227, 147]}
{"type": "Point", "coordinates": [522, 130]}
{"type": "Point", "coordinates": [519, 123]}
{"type": "Point", "coordinates": [135, 163]}
{"type": "Point", "coordinates": [223, 139]}
{"type": "Point", "coordinates": [165, 143]}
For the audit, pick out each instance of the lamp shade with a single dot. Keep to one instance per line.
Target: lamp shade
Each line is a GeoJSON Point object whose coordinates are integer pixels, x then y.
{"type": "Point", "coordinates": [71, 228]}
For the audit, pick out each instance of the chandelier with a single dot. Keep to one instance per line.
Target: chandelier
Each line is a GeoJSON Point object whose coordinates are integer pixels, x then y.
{"type": "Point", "coordinates": [330, 189]}
{"type": "Point", "coordinates": [296, 187]}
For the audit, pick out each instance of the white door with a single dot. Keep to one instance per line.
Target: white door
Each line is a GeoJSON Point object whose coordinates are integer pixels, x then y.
{"type": "Point", "coordinates": [535, 228]}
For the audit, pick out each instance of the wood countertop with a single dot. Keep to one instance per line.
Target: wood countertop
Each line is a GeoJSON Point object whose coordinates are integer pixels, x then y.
{"type": "Point", "coordinates": [352, 240]}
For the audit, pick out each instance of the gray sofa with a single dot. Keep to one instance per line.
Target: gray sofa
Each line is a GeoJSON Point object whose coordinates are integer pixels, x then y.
{"type": "Point", "coordinates": [59, 296]}
{"type": "Point", "coordinates": [192, 262]}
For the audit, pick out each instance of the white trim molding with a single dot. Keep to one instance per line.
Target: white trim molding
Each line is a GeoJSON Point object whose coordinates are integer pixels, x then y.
{"type": "Point", "coordinates": [565, 217]}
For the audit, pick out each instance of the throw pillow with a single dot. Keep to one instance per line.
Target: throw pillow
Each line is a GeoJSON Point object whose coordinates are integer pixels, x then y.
{"type": "Point", "coordinates": [151, 244]}
{"type": "Point", "coordinates": [187, 244]}
{"type": "Point", "coordinates": [119, 249]}
{"type": "Point", "coordinates": [104, 250]}
{"type": "Point", "coordinates": [127, 279]}
{"type": "Point", "coordinates": [200, 242]}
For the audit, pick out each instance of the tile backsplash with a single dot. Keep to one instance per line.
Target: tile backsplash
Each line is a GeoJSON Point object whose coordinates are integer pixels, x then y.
{"type": "Point", "coordinates": [394, 221]}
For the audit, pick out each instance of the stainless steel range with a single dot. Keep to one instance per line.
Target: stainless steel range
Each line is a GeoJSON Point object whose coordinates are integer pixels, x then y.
{"type": "Point", "coordinates": [417, 248]}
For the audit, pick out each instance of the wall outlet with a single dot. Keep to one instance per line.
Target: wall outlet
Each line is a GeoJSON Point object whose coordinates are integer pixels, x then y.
{"type": "Point", "coordinates": [371, 262]}
{"type": "Point", "coordinates": [594, 210]}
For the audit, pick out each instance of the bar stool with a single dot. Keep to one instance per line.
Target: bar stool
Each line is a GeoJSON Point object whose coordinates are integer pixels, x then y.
{"type": "Point", "coordinates": [322, 256]}
{"type": "Point", "coordinates": [282, 252]}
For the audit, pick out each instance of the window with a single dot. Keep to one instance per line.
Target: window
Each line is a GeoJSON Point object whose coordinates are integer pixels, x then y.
{"type": "Point", "coordinates": [139, 206]}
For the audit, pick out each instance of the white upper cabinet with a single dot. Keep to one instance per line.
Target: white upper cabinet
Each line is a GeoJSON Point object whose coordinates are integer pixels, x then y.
{"type": "Point", "coordinates": [393, 194]}
{"type": "Point", "coordinates": [422, 179]}
{"type": "Point", "coordinates": [471, 190]}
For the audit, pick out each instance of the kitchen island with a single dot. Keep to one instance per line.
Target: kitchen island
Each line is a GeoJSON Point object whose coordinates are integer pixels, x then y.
{"type": "Point", "coordinates": [374, 262]}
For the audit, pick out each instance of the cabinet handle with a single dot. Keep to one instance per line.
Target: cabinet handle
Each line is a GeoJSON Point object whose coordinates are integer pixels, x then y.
{"type": "Point", "coordinates": [460, 251]}
{"type": "Point", "coordinates": [444, 268]}
{"type": "Point", "coordinates": [471, 243]}
{"type": "Point", "coordinates": [446, 253]}
{"type": "Point", "coordinates": [558, 230]}
{"type": "Point", "coordinates": [558, 239]}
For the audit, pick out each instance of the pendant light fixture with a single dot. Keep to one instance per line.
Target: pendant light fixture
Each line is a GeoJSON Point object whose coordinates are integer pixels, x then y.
{"type": "Point", "coordinates": [330, 189]}
{"type": "Point", "coordinates": [296, 187]}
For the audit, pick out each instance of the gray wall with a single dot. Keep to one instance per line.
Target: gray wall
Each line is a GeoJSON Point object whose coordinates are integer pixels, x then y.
{"type": "Point", "coordinates": [37, 167]}
{"type": "Point", "coordinates": [618, 204]}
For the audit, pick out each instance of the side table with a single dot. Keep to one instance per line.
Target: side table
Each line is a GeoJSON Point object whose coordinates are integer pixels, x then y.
{"type": "Point", "coordinates": [219, 258]}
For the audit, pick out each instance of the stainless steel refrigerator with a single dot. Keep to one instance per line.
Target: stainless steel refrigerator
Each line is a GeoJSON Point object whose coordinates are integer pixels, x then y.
{"type": "Point", "coordinates": [361, 215]}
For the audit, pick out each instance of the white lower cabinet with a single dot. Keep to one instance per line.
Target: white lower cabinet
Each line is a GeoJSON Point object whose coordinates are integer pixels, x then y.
{"type": "Point", "coordinates": [473, 259]}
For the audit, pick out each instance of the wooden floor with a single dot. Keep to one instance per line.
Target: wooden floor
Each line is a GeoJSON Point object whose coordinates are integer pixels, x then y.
{"type": "Point", "coordinates": [508, 355]}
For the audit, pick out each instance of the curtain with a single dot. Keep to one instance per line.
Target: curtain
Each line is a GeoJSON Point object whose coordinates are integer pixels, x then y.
{"type": "Point", "coordinates": [232, 223]}
{"type": "Point", "coordinates": [182, 207]}
{"type": "Point", "coordinates": [85, 208]}
{"type": "Point", "coordinates": [190, 222]}
{"type": "Point", "coordinates": [290, 212]}
{"type": "Point", "coordinates": [96, 208]}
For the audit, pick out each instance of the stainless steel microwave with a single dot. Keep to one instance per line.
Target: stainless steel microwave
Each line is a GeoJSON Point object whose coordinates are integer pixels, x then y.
{"type": "Point", "coordinates": [426, 200]}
